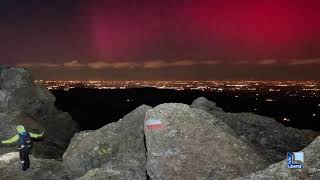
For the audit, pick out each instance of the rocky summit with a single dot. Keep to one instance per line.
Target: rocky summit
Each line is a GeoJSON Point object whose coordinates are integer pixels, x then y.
{"type": "Point", "coordinates": [169, 141]}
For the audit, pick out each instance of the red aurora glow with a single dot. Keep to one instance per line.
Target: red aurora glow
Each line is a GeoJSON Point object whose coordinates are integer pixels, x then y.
{"type": "Point", "coordinates": [225, 29]}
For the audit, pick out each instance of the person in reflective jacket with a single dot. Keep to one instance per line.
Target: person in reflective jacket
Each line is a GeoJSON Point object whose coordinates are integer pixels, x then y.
{"type": "Point", "coordinates": [24, 140]}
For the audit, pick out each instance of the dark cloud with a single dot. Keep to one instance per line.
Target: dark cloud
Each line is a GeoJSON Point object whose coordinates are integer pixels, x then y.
{"type": "Point", "coordinates": [178, 70]}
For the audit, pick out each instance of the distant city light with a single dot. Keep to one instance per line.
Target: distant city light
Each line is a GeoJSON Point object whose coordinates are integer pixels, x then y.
{"type": "Point", "coordinates": [270, 100]}
{"type": "Point", "coordinates": [286, 119]}
{"type": "Point", "coordinates": [291, 87]}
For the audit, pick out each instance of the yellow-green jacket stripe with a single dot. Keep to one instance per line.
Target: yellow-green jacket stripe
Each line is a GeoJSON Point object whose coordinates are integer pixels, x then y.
{"type": "Point", "coordinates": [20, 130]}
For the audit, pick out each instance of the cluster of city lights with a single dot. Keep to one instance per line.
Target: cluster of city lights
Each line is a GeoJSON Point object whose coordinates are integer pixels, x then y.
{"type": "Point", "coordinates": [188, 85]}
{"type": "Point", "coordinates": [301, 89]}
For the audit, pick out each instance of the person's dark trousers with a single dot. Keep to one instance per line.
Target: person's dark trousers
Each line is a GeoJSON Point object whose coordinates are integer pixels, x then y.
{"type": "Point", "coordinates": [24, 156]}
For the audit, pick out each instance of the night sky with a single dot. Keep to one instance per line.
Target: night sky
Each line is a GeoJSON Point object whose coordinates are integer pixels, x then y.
{"type": "Point", "coordinates": [162, 40]}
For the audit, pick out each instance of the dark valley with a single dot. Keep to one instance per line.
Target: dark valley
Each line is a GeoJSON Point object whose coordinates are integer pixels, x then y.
{"type": "Point", "coordinates": [93, 108]}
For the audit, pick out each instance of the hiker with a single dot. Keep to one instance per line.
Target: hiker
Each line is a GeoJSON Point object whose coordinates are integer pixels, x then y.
{"type": "Point", "coordinates": [24, 139]}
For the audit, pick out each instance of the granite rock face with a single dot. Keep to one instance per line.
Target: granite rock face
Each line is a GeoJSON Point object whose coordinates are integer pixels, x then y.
{"type": "Point", "coordinates": [40, 169]}
{"type": "Point", "coordinates": [115, 147]}
{"type": "Point", "coordinates": [20, 95]}
{"type": "Point", "coordinates": [311, 170]}
{"type": "Point", "coordinates": [267, 135]}
{"type": "Point", "coordinates": [206, 105]}
{"type": "Point", "coordinates": [117, 173]}
{"type": "Point", "coordinates": [187, 143]}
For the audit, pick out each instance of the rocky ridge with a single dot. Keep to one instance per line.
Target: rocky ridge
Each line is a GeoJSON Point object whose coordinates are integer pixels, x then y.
{"type": "Point", "coordinates": [271, 138]}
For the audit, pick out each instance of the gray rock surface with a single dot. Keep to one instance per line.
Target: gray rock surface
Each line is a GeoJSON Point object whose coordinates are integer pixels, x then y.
{"type": "Point", "coordinates": [115, 147]}
{"type": "Point", "coordinates": [267, 135]}
{"type": "Point", "coordinates": [205, 104]}
{"type": "Point", "coordinates": [193, 144]}
{"type": "Point", "coordinates": [116, 173]}
{"type": "Point", "coordinates": [19, 94]}
{"type": "Point", "coordinates": [311, 170]}
{"type": "Point", "coordinates": [40, 169]}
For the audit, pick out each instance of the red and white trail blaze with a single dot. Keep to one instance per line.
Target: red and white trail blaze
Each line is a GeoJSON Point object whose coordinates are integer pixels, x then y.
{"type": "Point", "coordinates": [153, 124]}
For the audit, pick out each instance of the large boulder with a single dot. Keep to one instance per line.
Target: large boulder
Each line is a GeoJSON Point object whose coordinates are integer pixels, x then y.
{"type": "Point", "coordinates": [311, 170]}
{"type": "Point", "coordinates": [40, 169]}
{"type": "Point", "coordinates": [115, 147]}
{"type": "Point", "coordinates": [266, 134]}
{"type": "Point", "coordinates": [18, 93]}
{"type": "Point", "coordinates": [187, 143]}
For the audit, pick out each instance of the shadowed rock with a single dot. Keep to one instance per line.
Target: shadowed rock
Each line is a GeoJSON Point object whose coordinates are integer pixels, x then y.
{"type": "Point", "coordinates": [311, 170]}
{"type": "Point", "coordinates": [192, 144]}
{"type": "Point", "coordinates": [20, 95]}
{"type": "Point", "coordinates": [40, 169]}
{"type": "Point", "coordinates": [115, 147]}
{"type": "Point", "coordinates": [206, 105]}
{"type": "Point", "coordinates": [267, 135]}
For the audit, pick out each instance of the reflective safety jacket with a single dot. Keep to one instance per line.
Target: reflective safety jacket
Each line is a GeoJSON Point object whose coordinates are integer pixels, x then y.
{"type": "Point", "coordinates": [21, 133]}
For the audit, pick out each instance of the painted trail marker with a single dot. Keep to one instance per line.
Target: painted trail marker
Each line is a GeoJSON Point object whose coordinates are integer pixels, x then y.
{"type": "Point", "coordinates": [153, 124]}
